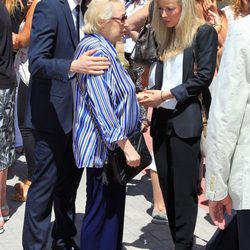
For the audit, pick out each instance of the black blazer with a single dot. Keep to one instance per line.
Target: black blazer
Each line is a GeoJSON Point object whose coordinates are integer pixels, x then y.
{"type": "Point", "coordinates": [52, 45]}
{"type": "Point", "coordinates": [186, 118]}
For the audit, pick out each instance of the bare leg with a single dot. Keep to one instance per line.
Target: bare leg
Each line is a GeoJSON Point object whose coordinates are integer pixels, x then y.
{"type": "Point", "coordinates": [3, 202]}
{"type": "Point", "coordinates": [3, 180]}
{"type": "Point", "coordinates": [159, 205]}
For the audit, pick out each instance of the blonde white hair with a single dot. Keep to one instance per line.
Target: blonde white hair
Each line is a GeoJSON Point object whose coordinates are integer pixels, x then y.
{"type": "Point", "coordinates": [172, 41]}
{"type": "Point", "coordinates": [98, 10]}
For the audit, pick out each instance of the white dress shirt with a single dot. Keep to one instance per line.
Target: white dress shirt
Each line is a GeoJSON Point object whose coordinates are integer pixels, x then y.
{"type": "Point", "coordinates": [172, 76]}
{"type": "Point", "coordinates": [72, 6]}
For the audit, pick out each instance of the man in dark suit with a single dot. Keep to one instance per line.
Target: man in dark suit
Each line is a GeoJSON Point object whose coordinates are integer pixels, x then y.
{"type": "Point", "coordinates": [50, 115]}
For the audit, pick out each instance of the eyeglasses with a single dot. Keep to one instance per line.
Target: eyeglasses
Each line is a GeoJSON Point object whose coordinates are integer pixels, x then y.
{"type": "Point", "coordinates": [122, 19]}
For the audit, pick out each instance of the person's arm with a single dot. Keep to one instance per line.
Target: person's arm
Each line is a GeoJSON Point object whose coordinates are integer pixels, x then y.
{"type": "Point", "coordinates": [206, 55]}
{"type": "Point", "coordinates": [207, 42]}
{"type": "Point", "coordinates": [22, 39]}
{"type": "Point", "coordinates": [229, 104]}
{"type": "Point", "coordinates": [43, 36]}
{"type": "Point", "coordinates": [137, 19]}
{"type": "Point", "coordinates": [217, 18]}
{"type": "Point", "coordinates": [133, 34]}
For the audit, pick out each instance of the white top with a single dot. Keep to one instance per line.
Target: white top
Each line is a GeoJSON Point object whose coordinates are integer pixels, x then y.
{"type": "Point", "coordinates": [172, 76]}
{"type": "Point", "coordinates": [228, 139]}
{"type": "Point", "coordinates": [72, 6]}
{"type": "Point", "coordinates": [230, 14]}
{"type": "Point", "coordinates": [130, 9]}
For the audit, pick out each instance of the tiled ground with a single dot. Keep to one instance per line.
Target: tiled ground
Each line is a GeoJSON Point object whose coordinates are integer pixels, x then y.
{"type": "Point", "coordinates": [139, 232]}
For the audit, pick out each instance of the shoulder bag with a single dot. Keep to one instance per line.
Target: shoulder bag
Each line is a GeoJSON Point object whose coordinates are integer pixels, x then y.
{"type": "Point", "coordinates": [145, 51]}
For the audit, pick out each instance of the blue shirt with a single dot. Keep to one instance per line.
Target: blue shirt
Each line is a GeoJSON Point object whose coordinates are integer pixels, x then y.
{"type": "Point", "coordinates": [105, 106]}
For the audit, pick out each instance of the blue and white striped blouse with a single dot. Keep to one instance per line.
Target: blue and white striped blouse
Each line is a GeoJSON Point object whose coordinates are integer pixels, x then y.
{"type": "Point", "coordinates": [105, 106]}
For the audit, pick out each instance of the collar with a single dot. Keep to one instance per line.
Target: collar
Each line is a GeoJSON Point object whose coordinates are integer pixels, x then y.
{"type": "Point", "coordinates": [73, 4]}
{"type": "Point", "coordinates": [111, 48]}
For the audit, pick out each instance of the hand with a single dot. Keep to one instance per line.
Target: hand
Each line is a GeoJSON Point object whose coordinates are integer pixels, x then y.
{"type": "Point", "coordinates": [217, 210]}
{"type": "Point", "coordinates": [214, 18]}
{"type": "Point", "coordinates": [211, 12]}
{"type": "Point", "coordinates": [132, 157]}
{"type": "Point", "coordinates": [210, 5]}
{"type": "Point", "coordinates": [88, 64]}
{"type": "Point", "coordinates": [142, 95]}
{"type": "Point", "coordinates": [154, 98]}
{"type": "Point", "coordinates": [15, 41]}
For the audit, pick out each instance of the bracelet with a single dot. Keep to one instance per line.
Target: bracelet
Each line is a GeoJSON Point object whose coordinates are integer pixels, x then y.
{"type": "Point", "coordinates": [161, 96]}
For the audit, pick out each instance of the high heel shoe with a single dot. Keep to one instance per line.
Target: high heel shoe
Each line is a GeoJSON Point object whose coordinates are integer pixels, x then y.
{"type": "Point", "coordinates": [1, 227]}
{"type": "Point", "coordinates": [7, 216]}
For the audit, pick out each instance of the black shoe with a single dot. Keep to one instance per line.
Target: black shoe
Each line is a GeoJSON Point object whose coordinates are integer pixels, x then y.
{"type": "Point", "coordinates": [64, 245]}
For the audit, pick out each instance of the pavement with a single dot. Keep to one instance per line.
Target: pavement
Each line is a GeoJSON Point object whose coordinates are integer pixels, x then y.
{"type": "Point", "coordinates": [139, 232]}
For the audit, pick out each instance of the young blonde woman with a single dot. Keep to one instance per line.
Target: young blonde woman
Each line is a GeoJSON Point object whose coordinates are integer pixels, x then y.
{"type": "Point", "coordinates": [188, 51]}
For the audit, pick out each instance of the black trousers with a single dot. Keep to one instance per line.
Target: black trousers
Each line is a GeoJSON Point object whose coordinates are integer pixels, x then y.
{"type": "Point", "coordinates": [28, 138]}
{"type": "Point", "coordinates": [55, 182]}
{"type": "Point", "coordinates": [177, 161]}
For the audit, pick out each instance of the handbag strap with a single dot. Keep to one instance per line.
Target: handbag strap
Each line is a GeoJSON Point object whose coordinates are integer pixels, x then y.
{"type": "Point", "coordinates": [151, 11]}
{"type": "Point", "coordinates": [149, 17]}
{"type": "Point", "coordinates": [105, 171]}
{"type": "Point", "coordinates": [82, 90]}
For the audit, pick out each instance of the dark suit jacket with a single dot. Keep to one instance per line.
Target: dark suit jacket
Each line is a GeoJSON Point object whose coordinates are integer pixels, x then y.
{"type": "Point", "coordinates": [187, 120]}
{"type": "Point", "coordinates": [52, 45]}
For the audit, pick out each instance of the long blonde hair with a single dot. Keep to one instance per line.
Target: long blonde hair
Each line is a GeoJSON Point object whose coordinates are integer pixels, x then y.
{"type": "Point", "coordinates": [172, 41]}
{"type": "Point", "coordinates": [11, 5]}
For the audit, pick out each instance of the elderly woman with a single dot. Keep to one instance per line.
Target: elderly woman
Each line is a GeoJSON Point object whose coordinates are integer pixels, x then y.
{"type": "Point", "coordinates": [188, 50]}
{"type": "Point", "coordinates": [106, 111]}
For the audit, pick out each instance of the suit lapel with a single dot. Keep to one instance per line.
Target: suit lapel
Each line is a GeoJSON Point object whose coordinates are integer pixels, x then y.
{"type": "Point", "coordinates": [70, 22]}
{"type": "Point", "coordinates": [187, 56]}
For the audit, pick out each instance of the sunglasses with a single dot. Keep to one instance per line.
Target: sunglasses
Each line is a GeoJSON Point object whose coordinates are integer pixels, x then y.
{"type": "Point", "coordinates": [122, 19]}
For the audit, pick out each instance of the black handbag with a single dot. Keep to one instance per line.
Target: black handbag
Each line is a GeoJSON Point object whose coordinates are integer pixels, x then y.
{"type": "Point", "coordinates": [122, 173]}
{"type": "Point", "coordinates": [227, 238]}
{"type": "Point", "coordinates": [145, 51]}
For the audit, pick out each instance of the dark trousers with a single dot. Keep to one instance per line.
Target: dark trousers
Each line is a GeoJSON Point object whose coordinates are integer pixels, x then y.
{"type": "Point", "coordinates": [55, 182]}
{"type": "Point", "coordinates": [27, 135]}
{"type": "Point", "coordinates": [235, 236]}
{"type": "Point", "coordinates": [177, 162]}
{"type": "Point", "coordinates": [102, 226]}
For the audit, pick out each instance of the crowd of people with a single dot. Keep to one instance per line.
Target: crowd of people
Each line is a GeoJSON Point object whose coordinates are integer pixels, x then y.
{"type": "Point", "coordinates": [66, 97]}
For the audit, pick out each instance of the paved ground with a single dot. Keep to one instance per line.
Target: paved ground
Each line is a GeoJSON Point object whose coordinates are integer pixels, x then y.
{"type": "Point", "coordinates": [139, 232]}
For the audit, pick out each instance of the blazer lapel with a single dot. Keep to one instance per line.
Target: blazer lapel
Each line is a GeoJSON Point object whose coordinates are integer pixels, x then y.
{"type": "Point", "coordinates": [187, 56]}
{"type": "Point", "coordinates": [70, 22]}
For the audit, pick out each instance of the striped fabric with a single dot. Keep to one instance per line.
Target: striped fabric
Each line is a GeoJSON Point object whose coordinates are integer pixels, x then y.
{"type": "Point", "coordinates": [105, 106]}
